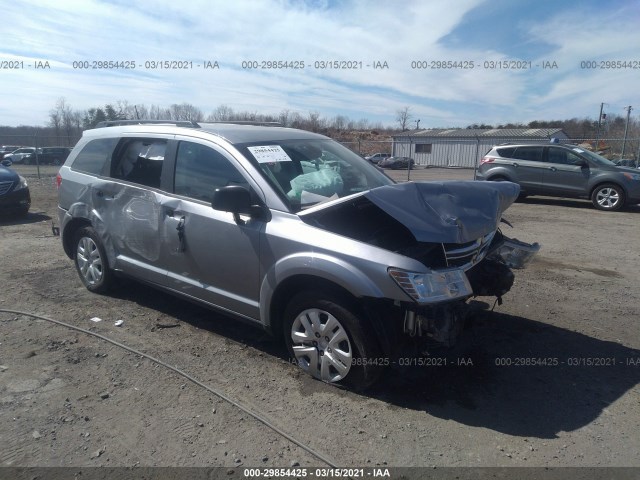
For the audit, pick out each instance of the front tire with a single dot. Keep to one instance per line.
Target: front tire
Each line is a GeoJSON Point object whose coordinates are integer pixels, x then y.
{"type": "Point", "coordinates": [91, 261]}
{"type": "Point", "coordinates": [609, 197]}
{"type": "Point", "coordinates": [330, 341]}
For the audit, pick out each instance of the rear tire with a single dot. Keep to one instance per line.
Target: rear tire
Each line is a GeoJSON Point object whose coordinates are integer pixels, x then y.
{"type": "Point", "coordinates": [91, 261]}
{"type": "Point", "coordinates": [608, 197]}
{"type": "Point", "coordinates": [330, 341]}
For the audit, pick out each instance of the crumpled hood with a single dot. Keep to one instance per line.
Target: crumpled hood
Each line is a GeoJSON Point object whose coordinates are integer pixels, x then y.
{"type": "Point", "coordinates": [446, 212]}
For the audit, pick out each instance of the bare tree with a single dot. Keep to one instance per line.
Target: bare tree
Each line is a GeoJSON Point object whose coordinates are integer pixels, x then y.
{"type": "Point", "coordinates": [340, 122]}
{"type": "Point", "coordinates": [362, 124]}
{"type": "Point", "coordinates": [159, 113]}
{"type": "Point", "coordinates": [403, 116]}
{"type": "Point", "coordinates": [284, 117]}
{"type": "Point", "coordinates": [55, 122]}
{"type": "Point", "coordinates": [186, 111]}
{"type": "Point", "coordinates": [221, 113]}
{"type": "Point", "coordinates": [314, 121]}
{"type": "Point", "coordinates": [56, 117]}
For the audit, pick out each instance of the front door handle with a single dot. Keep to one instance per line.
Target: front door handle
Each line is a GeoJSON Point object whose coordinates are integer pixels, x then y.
{"type": "Point", "coordinates": [553, 169]}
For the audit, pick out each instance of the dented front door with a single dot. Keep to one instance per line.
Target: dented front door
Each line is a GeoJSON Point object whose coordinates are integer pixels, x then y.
{"type": "Point", "coordinates": [206, 253]}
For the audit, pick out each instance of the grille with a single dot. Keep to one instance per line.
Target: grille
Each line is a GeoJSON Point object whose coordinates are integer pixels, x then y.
{"type": "Point", "coordinates": [5, 187]}
{"type": "Point", "coordinates": [466, 255]}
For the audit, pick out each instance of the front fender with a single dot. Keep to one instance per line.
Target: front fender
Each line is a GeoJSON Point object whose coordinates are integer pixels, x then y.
{"type": "Point", "coordinates": [312, 264]}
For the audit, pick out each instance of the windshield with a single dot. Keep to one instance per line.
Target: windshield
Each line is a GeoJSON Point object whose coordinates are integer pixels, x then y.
{"type": "Point", "coordinates": [309, 172]}
{"type": "Point", "coordinates": [595, 157]}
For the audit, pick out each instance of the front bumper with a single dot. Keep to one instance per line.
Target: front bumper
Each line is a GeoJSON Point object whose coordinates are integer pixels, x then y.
{"type": "Point", "coordinates": [15, 202]}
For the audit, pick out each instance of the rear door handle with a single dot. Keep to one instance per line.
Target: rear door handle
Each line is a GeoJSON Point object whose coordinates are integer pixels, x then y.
{"type": "Point", "coordinates": [515, 164]}
{"type": "Point", "coordinates": [553, 169]}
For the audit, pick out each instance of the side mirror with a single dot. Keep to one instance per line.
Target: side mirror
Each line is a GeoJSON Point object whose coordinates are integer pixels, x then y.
{"type": "Point", "coordinates": [237, 200]}
{"type": "Point", "coordinates": [582, 163]}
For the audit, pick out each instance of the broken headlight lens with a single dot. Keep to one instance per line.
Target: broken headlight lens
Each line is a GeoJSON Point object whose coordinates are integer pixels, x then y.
{"type": "Point", "coordinates": [432, 287]}
{"type": "Point", "coordinates": [516, 254]}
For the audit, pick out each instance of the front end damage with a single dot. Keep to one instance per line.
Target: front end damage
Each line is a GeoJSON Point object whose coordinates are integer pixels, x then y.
{"type": "Point", "coordinates": [453, 229]}
{"type": "Point", "coordinates": [490, 276]}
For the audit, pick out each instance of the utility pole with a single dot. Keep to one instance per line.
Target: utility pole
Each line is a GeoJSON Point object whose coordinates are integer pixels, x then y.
{"type": "Point", "coordinates": [626, 130]}
{"type": "Point", "coordinates": [595, 148]}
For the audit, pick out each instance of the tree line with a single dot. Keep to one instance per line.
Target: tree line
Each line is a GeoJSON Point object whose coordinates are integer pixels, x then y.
{"type": "Point", "coordinates": [65, 124]}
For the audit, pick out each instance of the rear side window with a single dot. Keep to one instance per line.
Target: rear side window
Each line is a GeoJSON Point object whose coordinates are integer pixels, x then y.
{"type": "Point", "coordinates": [140, 161]}
{"type": "Point", "coordinates": [528, 153]}
{"type": "Point", "coordinates": [95, 154]}
{"type": "Point", "coordinates": [506, 152]}
{"type": "Point", "coordinates": [201, 169]}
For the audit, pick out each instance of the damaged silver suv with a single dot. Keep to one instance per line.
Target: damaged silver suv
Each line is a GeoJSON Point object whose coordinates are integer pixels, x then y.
{"type": "Point", "coordinates": [290, 231]}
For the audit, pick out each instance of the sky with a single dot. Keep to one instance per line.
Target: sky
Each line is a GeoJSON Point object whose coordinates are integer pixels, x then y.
{"type": "Point", "coordinates": [454, 63]}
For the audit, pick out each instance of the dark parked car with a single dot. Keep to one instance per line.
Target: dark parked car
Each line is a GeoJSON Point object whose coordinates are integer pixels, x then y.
{"type": "Point", "coordinates": [377, 157]}
{"type": "Point", "coordinates": [49, 156]}
{"type": "Point", "coordinates": [626, 162]}
{"type": "Point", "coordinates": [562, 171]}
{"type": "Point", "coordinates": [396, 163]}
{"type": "Point", "coordinates": [14, 193]}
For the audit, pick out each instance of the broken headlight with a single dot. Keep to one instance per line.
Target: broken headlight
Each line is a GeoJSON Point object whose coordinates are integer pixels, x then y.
{"type": "Point", "coordinates": [436, 286]}
{"type": "Point", "coordinates": [514, 253]}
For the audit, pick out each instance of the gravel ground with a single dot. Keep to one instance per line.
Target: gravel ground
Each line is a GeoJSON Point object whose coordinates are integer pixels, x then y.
{"type": "Point", "coordinates": [70, 399]}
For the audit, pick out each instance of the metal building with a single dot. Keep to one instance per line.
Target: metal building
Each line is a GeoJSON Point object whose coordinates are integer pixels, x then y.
{"type": "Point", "coordinates": [460, 147]}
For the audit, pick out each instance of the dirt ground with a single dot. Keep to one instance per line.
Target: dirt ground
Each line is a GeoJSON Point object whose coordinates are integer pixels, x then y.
{"type": "Point", "coordinates": [70, 399]}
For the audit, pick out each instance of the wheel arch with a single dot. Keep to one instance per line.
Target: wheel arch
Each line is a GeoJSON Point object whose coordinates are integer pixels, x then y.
{"type": "Point", "coordinates": [69, 232]}
{"type": "Point", "coordinates": [295, 284]}
{"type": "Point", "coordinates": [602, 181]}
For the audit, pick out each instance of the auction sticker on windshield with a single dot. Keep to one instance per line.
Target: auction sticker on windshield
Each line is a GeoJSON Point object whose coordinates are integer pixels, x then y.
{"type": "Point", "coordinates": [269, 154]}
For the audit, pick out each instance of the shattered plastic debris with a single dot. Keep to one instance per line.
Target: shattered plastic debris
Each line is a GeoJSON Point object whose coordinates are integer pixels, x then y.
{"type": "Point", "coordinates": [118, 323]}
{"type": "Point", "coordinates": [96, 319]}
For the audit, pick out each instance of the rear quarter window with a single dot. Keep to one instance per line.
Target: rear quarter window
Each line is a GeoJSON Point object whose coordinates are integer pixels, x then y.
{"type": "Point", "coordinates": [94, 156]}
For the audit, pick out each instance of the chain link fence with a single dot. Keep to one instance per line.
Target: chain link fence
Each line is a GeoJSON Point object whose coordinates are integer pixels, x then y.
{"type": "Point", "coordinates": [442, 153]}
{"type": "Point", "coordinates": [467, 153]}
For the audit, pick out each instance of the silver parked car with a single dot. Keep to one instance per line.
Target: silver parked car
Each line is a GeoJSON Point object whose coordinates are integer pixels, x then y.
{"type": "Point", "coordinates": [562, 171]}
{"type": "Point", "coordinates": [19, 155]}
{"type": "Point", "coordinates": [290, 231]}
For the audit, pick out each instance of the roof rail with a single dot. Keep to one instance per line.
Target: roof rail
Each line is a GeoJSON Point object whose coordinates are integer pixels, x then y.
{"type": "Point", "coordinates": [250, 122]}
{"type": "Point", "coordinates": [177, 123]}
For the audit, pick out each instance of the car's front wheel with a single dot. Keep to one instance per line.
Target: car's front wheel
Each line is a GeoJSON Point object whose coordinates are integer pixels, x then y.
{"type": "Point", "coordinates": [330, 341]}
{"type": "Point", "coordinates": [608, 197]}
{"type": "Point", "coordinates": [91, 261]}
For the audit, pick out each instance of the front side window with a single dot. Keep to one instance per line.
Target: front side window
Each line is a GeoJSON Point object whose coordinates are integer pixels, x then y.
{"type": "Point", "coordinates": [557, 155]}
{"type": "Point", "coordinates": [201, 169]}
{"type": "Point", "coordinates": [312, 171]}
